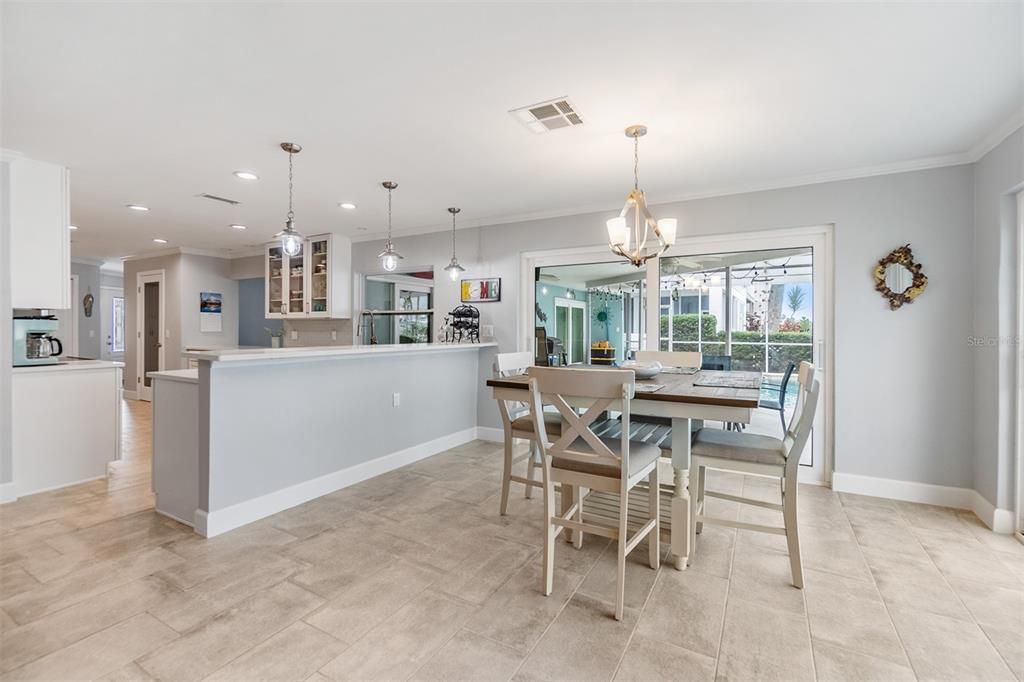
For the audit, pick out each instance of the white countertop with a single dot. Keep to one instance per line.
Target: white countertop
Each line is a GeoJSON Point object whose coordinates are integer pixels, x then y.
{"type": "Point", "coordinates": [68, 365]}
{"type": "Point", "coordinates": [272, 354]}
{"type": "Point", "coordinates": [188, 376]}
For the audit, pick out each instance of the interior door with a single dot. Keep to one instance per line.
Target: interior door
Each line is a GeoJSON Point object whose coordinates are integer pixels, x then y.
{"type": "Point", "coordinates": [571, 328]}
{"type": "Point", "coordinates": [151, 316]}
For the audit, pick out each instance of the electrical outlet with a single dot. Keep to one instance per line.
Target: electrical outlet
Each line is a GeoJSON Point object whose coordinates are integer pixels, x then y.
{"type": "Point", "coordinates": [294, 335]}
{"type": "Point", "coordinates": [334, 335]}
{"type": "Point", "coordinates": [396, 399]}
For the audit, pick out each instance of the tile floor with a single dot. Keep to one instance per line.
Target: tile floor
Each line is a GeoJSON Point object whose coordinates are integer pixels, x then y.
{"type": "Point", "coordinates": [413, 575]}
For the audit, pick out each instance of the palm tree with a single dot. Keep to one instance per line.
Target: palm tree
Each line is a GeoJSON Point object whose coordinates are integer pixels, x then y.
{"type": "Point", "coordinates": [795, 299]}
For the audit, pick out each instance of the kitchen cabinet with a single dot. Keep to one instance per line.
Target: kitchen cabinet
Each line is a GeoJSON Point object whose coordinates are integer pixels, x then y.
{"type": "Point", "coordinates": [40, 239]}
{"type": "Point", "coordinates": [315, 283]}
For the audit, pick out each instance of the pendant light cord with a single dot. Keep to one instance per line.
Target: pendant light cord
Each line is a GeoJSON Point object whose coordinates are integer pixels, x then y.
{"type": "Point", "coordinates": [291, 214]}
{"type": "Point", "coordinates": [636, 163]}
{"type": "Point", "coordinates": [453, 235]}
{"type": "Point", "coordinates": [389, 216]}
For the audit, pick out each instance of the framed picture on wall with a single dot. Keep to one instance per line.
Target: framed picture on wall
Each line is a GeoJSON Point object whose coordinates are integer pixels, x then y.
{"type": "Point", "coordinates": [481, 290]}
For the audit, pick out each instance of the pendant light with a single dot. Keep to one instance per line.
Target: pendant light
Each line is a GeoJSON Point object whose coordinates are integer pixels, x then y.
{"type": "Point", "coordinates": [631, 243]}
{"type": "Point", "coordinates": [291, 239]}
{"type": "Point", "coordinates": [389, 257]}
{"type": "Point", "coordinates": [454, 269]}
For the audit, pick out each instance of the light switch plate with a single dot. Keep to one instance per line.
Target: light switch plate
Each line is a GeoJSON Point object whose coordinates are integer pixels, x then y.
{"type": "Point", "coordinates": [396, 399]}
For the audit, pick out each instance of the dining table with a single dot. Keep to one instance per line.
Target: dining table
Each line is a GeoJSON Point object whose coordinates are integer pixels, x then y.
{"type": "Point", "coordinates": [681, 395]}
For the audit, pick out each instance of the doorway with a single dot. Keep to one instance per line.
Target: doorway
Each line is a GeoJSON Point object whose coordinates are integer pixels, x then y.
{"type": "Point", "coordinates": [572, 328]}
{"type": "Point", "coordinates": [150, 330]}
{"type": "Point", "coordinates": [112, 323]}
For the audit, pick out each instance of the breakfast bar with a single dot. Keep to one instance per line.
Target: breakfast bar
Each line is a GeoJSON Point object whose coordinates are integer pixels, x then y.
{"type": "Point", "coordinates": [276, 427]}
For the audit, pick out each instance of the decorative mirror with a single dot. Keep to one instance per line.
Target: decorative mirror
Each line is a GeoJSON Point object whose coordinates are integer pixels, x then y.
{"type": "Point", "coordinates": [899, 278]}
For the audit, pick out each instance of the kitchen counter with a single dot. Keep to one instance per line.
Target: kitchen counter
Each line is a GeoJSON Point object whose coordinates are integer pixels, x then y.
{"type": "Point", "coordinates": [294, 353]}
{"type": "Point", "coordinates": [68, 365]}
{"type": "Point", "coordinates": [188, 376]}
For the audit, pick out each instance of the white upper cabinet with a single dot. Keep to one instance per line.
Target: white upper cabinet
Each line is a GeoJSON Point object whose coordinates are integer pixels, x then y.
{"type": "Point", "coordinates": [40, 239]}
{"type": "Point", "coordinates": [316, 282]}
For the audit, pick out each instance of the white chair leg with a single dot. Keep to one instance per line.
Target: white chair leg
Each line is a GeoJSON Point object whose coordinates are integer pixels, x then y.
{"type": "Point", "coordinates": [549, 540]}
{"type": "Point", "coordinates": [654, 512]}
{"type": "Point", "coordinates": [792, 535]}
{"type": "Point", "coordinates": [692, 530]}
{"type": "Point", "coordinates": [577, 536]}
{"type": "Point", "coordinates": [702, 473]}
{"type": "Point", "coordinates": [620, 582]}
{"type": "Point", "coordinates": [506, 474]}
{"type": "Point", "coordinates": [534, 449]}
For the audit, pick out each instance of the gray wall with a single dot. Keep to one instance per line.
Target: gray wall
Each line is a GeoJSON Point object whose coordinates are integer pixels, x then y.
{"type": "Point", "coordinates": [335, 413]}
{"type": "Point", "coordinates": [206, 273]}
{"type": "Point", "coordinates": [252, 325]}
{"type": "Point", "coordinates": [881, 357]}
{"type": "Point", "coordinates": [992, 341]}
{"type": "Point", "coordinates": [90, 335]}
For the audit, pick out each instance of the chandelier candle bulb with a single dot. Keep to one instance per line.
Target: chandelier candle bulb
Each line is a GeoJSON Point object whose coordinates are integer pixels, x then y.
{"type": "Point", "coordinates": [667, 228]}
{"type": "Point", "coordinates": [618, 232]}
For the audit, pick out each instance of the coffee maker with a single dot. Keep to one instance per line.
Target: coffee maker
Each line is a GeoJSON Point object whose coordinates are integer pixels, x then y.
{"type": "Point", "coordinates": [34, 342]}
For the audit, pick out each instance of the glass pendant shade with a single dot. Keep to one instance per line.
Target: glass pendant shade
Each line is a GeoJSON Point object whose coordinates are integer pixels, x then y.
{"type": "Point", "coordinates": [618, 232]}
{"type": "Point", "coordinates": [291, 244]}
{"type": "Point", "coordinates": [667, 228]}
{"type": "Point", "coordinates": [453, 268]}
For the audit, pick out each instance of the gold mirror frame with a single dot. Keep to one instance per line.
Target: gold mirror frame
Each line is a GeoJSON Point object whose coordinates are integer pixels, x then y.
{"type": "Point", "coordinates": [905, 257]}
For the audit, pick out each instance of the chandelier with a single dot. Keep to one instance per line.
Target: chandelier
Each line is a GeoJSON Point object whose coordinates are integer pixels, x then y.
{"type": "Point", "coordinates": [635, 243]}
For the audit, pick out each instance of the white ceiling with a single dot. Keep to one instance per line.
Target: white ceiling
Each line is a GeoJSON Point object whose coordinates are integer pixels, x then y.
{"type": "Point", "coordinates": [154, 103]}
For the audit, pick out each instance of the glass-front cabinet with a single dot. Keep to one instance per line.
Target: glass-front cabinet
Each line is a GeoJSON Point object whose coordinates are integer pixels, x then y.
{"type": "Point", "coordinates": [316, 282]}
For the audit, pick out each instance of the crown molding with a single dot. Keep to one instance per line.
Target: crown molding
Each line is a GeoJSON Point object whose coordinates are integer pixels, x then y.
{"type": "Point", "coordinates": [927, 163]}
{"type": "Point", "coordinates": [177, 250]}
{"type": "Point", "coordinates": [82, 260]}
{"type": "Point", "coordinates": [8, 155]}
{"type": "Point", "coordinates": [997, 136]}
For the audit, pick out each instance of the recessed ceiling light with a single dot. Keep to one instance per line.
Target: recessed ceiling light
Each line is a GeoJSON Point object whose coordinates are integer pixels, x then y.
{"type": "Point", "coordinates": [238, 227]}
{"type": "Point", "coordinates": [347, 205]}
{"type": "Point", "coordinates": [72, 227]}
{"type": "Point", "coordinates": [246, 175]}
{"type": "Point", "coordinates": [160, 241]}
{"type": "Point", "coordinates": [136, 207]}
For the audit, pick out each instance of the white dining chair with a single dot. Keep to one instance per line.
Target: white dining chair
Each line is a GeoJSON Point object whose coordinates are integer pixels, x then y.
{"type": "Point", "coordinates": [579, 460]}
{"type": "Point", "coordinates": [516, 423]}
{"type": "Point", "coordinates": [749, 453]}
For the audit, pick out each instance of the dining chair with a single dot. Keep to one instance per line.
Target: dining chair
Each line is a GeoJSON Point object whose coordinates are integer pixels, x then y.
{"type": "Point", "coordinates": [748, 453]}
{"type": "Point", "coordinates": [779, 403]}
{"type": "Point", "coordinates": [517, 423]}
{"type": "Point", "coordinates": [721, 363]}
{"type": "Point", "coordinates": [580, 459]}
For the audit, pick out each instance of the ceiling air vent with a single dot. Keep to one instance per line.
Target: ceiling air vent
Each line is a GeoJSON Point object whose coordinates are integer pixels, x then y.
{"type": "Point", "coordinates": [225, 200]}
{"type": "Point", "coordinates": [546, 116]}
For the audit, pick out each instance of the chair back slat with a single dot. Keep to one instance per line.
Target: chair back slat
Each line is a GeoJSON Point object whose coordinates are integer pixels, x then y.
{"type": "Point", "coordinates": [506, 365]}
{"type": "Point", "coordinates": [552, 385]}
{"type": "Point", "coordinates": [804, 377]}
{"type": "Point", "coordinates": [670, 358]}
{"type": "Point", "coordinates": [795, 442]}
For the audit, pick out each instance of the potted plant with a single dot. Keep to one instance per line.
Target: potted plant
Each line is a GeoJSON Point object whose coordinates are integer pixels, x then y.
{"type": "Point", "coordinates": [275, 336]}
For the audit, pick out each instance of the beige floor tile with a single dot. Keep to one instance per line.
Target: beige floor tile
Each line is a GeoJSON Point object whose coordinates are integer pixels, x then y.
{"type": "Point", "coordinates": [295, 653]}
{"type": "Point", "coordinates": [85, 583]}
{"type": "Point", "coordinates": [189, 608]}
{"type": "Point", "coordinates": [841, 556]}
{"type": "Point", "coordinates": [836, 664]}
{"type": "Point", "coordinates": [481, 573]}
{"type": "Point", "coordinates": [129, 673]}
{"type": "Point", "coordinates": [764, 577]}
{"type": "Point", "coordinates": [686, 609]}
{"type": "Point", "coordinates": [914, 584]}
{"type": "Point", "coordinates": [855, 501]}
{"type": "Point", "coordinates": [760, 643]}
{"type": "Point", "coordinates": [372, 599]}
{"type": "Point", "coordinates": [714, 551]}
{"type": "Point", "coordinates": [15, 580]}
{"type": "Point", "coordinates": [931, 517]}
{"type": "Point", "coordinates": [219, 641]}
{"type": "Point", "coordinates": [942, 648]}
{"type": "Point", "coordinates": [518, 613]}
{"type": "Point", "coordinates": [1010, 645]}
{"type": "Point", "coordinates": [99, 654]}
{"type": "Point", "coordinates": [979, 564]}
{"type": "Point", "coordinates": [396, 648]}
{"type": "Point", "coordinates": [998, 607]}
{"type": "Point", "coordinates": [468, 656]}
{"type": "Point", "coordinates": [649, 659]}
{"type": "Point", "coordinates": [585, 642]}
{"type": "Point", "coordinates": [895, 541]}
{"type": "Point", "coordinates": [602, 580]}
{"type": "Point", "coordinates": [29, 642]}
{"type": "Point", "coordinates": [852, 615]}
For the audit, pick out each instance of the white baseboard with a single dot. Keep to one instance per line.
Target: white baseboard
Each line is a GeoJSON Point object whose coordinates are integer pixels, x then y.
{"type": "Point", "coordinates": [999, 520]}
{"type": "Point", "coordinates": [209, 524]}
{"type": "Point", "coordinates": [8, 493]}
{"type": "Point", "coordinates": [490, 434]}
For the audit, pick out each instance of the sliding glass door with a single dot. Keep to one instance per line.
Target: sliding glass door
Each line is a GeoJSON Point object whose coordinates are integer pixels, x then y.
{"type": "Point", "coordinates": [572, 328]}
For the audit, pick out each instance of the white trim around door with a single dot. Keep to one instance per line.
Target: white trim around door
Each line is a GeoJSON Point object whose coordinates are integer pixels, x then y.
{"type": "Point", "coordinates": [142, 391]}
{"type": "Point", "coordinates": [1019, 393]}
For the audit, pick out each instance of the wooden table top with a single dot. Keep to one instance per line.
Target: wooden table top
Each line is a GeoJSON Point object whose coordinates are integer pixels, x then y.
{"type": "Point", "coordinates": [681, 388]}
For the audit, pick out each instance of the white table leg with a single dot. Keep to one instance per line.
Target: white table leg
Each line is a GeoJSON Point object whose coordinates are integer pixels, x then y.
{"type": "Point", "coordinates": [681, 521]}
